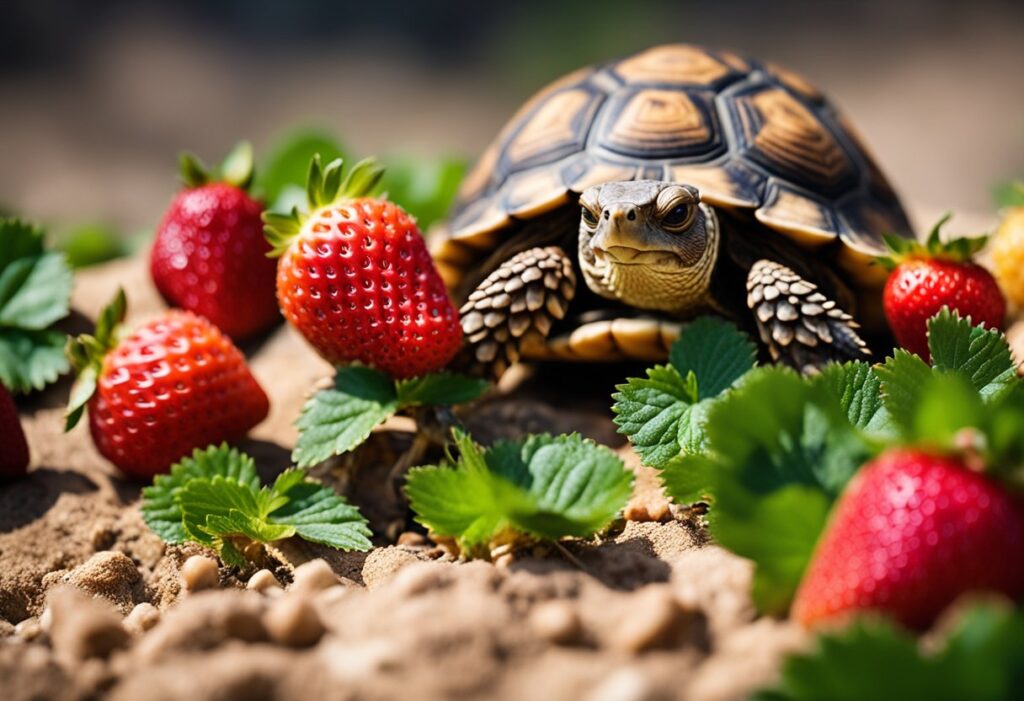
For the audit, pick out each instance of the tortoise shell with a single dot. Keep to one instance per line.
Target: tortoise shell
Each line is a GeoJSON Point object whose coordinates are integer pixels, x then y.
{"type": "Point", "coordinates": [750, 136]}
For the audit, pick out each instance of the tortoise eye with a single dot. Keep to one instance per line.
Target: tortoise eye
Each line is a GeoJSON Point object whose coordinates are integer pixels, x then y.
{"type": "Point", "coordinates": [679, 217]}
{"type": "Point", "coordinates": [589, 218]}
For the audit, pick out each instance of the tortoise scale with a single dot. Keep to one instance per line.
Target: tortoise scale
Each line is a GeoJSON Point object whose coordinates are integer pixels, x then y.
{"type": "Point", "coordinates": [623, 199]}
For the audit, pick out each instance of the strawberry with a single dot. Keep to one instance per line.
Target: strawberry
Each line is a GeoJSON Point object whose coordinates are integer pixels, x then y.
{"type": "Point", "coordinates": [355, 278]}
{"type": "Point", "coordinates": [924, 278]}
{"type": "Point", "coordinates": [13, 446]}
{"type": "Point", "coordinates": [910, 534]}
{"type": "Point", "coordinates": [209, 256]}
{"type": "Point", "coordinates": [173, 385]}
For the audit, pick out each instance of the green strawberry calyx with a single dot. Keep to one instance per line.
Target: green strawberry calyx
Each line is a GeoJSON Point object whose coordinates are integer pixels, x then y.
{"type": "Point", "coordinates": [236, 168]}
{"type": "Point", "coordinates": [956, 250]}
{"type": "Point", "coordinates": [86, 353]}
{"type": "Point", "coordinates": [325, 187]}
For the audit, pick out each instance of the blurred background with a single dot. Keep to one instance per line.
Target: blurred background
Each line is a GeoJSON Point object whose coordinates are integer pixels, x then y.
{"type": "Point", "coordinates": [97, 98]}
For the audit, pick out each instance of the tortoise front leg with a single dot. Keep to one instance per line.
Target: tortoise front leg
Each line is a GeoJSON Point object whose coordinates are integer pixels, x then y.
{"type": "Point", "coordinates": [801, 326]}
{"type": "Point", "coordinates": [515, 305]}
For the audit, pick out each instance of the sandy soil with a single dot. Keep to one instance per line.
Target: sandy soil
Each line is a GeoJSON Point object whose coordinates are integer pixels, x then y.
{"type": "Point", "coordinates": [92, 603]}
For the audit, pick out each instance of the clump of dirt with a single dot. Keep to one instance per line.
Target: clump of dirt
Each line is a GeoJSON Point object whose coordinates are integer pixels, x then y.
{"type": "Point", "coordinates": [92, 605]}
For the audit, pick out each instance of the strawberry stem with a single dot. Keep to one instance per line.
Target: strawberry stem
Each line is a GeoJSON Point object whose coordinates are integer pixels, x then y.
{"type": "Point", "coordinates": [324, 188]}
{"type": "Point", "coordinates": [86, 353]}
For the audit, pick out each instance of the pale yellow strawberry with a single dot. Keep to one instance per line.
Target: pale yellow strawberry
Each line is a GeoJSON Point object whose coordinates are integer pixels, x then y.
{"type": "Point", "coordinates": [1007, 255]}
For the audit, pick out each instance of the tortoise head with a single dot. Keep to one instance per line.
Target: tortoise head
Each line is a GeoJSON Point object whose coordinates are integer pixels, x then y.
{"type": "Point", "coordinates": [649, 244]}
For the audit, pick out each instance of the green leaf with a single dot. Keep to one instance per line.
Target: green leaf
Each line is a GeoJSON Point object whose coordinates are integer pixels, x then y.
{"type": "Point", "coordinates": [980, 355]}
{"type": "Point", "coordinates": [160, 508]}
{"type": "Point", "coordinates": [202, 497]}
{"type": "Point", "coordinates": [688, 478]}
{"type": "Point", "coordinates": [981, 659]}
{"type": "Point", "coordinates": [319, 515]}
{"type": "Point", "coordinates": [30, 360]}
{"type": "Point", "coordinates": [289, 159]}
{"type": "Point", "coordinates": [777, 530]}
{"type": "Point", "coordinates": [946, 404]}
{"type": "Point", "coordinates": [92, 244]}
{"type": "Point", "coordinates": [664, 413]}
{"type": "Point", "coordinates": [337, 419]}
{"type": "Point", "coordinates": [19, 239]}
{"type": "Point", "coordinates": [424, 187]}
{"type": "Point", "coordinates": [859, 391]}
{"type": "Point", "coordinates": [716, 352]}
{"type": "Point", "coordinates": [1010, 194]}
{"type": "Point", "coordinates": [652, 412]}
{"type": "Point", "coordinates": [902, 376]}
{"type": "Point", "coordinates": [35, 291]}
{"type": "Point", "coordinates": [548, 487]}
{"type": "Point", "coordinates": [440, 389]}
{"type": "Point", "coordinates": [777, 429]}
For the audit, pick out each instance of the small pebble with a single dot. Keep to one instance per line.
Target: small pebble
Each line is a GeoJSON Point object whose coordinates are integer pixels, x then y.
{"type": "Point", "coordinates": [314, 576]}
{"type": "Point", "coordinates": [626, 684]}
{"type": "Point", "coordinates": [29, 629]}
{"type": "Point", "coordinates": [142, 618]}
{"type": "Point", "coordinates": [46, 619]}
{"type": "Point", "coordinates": [199, 572]}
{"type": "Point", "coordinates": [412, 539]}
{"type": "Point", "coordinates": [293, 621]}
{"type": "Point", "coordinates": [556, 622]}
{"type": "Point", "coordinates": [262, 581]}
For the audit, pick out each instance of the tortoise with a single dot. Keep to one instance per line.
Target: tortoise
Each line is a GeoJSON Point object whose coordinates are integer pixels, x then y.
{"type": "Point", "coordinates": [674, 182]}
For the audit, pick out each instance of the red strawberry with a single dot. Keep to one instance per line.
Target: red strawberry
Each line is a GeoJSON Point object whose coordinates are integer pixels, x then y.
{"type": "Point", "coordinates": [910, 534]}
{"type": "Point", "coordinates": [175, 384]}
{"type": "Point", "coordinates": [13, 446]}
{"type": "Point", "coordinates": [356, 279]}
{"type": "Point", "coordinates": [210, 256]}
{"type": "Point", "coordinates": [927, 277]}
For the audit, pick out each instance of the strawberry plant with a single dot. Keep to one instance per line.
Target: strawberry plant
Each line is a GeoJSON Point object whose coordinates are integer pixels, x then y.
{"type": "Point", "coordinates": [35, 292]}
{"type": "Point", "coordinates": [786, 464]}
{"type": "Point", "coordinates": [214, 498]}
{"type": "Point", "coordinates": [541, 487]}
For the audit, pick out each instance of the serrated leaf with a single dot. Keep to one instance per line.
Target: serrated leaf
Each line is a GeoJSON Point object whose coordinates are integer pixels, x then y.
{"type": "Point", "coordinates": [30, 360]}
{"type": "Point", "coordinates": [160, 508]}
{"type": "Point", "coordinates": [859, 391]}
{"type": "Point", "coordinates": [19, 239]}
{"type": "Point", "coordinates": [777, 530]}
{"type": "Point", "coordinates": [716, 352]}
{"type": "Point", "coordinates": [545, 486]}
{"type": "Point", "coordinates": [946, 404]}
{"type": "Point", "coordinates": [425, 187]}
{"type": "Point", "coordinates": [200, 498]}
{"type": "Point", "coordinates": [902, 376]}
{"type": "Point", "coordinates": [653, 411]}
{"type": "Point", "coordinates": [440, 389]}
{"type": "Point", "coordinates": [337, 419]}
{"type": "Point", "coordinates": [980, 355]}
{"type": "Point", "coordinates": [318, 514]}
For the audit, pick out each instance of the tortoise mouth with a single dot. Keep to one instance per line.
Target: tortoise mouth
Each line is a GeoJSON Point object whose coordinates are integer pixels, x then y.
{"type": "Point", "coordinates": [626, 255]}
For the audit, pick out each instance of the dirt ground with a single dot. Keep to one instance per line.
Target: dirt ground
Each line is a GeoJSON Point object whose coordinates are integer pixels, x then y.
{"type": "Point", "coordinates": [92, 603]}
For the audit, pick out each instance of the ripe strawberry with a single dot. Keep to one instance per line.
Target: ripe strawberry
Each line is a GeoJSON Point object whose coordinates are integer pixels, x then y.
{"type": "Point", "coordinates": [13, 446]}
{"type": "Point", "coordinates": [910, 534]}
{"type": "Point", "coordinates": [927, 277]}
{"type": "Point", "coordinates": [355, 277]}
{"type": "Point", "coordinates": [173, 385]}
{"type": "Point", "coordinates": [210, 256]}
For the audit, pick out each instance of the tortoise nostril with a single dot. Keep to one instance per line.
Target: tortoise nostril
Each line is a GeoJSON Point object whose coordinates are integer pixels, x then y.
{"type": "Point", "coordinates": [631, 215]}
{"type": "Point", "coordinates": [606, 214]}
